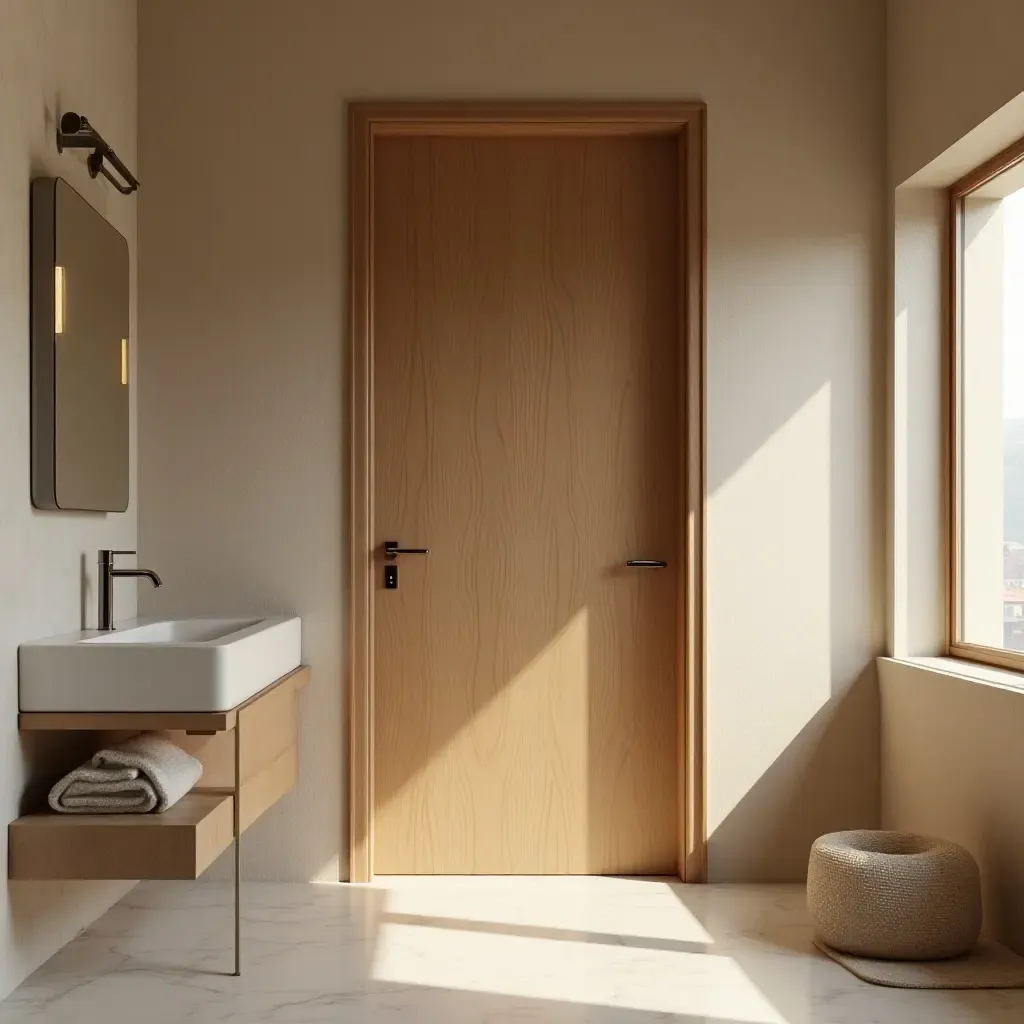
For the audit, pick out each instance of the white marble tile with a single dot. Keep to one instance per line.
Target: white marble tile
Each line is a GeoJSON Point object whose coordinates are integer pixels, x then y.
{"type": "Point", "coordinates": [469, 950]}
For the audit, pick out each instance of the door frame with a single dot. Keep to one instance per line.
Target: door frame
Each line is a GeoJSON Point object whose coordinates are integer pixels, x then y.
{"type": "Point", "coordinates": [368, 121]}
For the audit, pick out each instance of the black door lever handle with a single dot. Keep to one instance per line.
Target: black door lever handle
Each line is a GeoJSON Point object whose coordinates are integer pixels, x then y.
{"type": "Point", "coordinates": [392, 550]}
{"type": "Point", "coordinates": [647, 563]}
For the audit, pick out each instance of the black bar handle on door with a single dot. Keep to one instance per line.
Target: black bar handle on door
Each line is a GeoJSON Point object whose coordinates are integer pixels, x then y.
{"type": "Point", "coordinates": [392, 550]}
{"type": "Point", "coordinates": [646, 563]}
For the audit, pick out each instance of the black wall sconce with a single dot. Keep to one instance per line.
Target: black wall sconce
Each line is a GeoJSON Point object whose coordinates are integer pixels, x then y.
{"type": "Point", "coordinates": [75, 132]}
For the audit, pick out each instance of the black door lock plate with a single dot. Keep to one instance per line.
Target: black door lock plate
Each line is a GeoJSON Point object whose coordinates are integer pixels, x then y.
{"type": "Point", "coordinates": [390, 577]}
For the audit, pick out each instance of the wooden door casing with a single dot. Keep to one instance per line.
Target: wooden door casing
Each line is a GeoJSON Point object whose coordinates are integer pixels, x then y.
{"type": "Point", "coordinates": [370, 124]}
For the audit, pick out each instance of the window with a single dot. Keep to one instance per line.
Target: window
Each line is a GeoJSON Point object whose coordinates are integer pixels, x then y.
{"type": "Point", "coordinates": [987, 311]}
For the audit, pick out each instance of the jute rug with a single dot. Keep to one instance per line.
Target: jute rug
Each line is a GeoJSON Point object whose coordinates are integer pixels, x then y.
{"type": "Point", "coordinates": [988, 965]}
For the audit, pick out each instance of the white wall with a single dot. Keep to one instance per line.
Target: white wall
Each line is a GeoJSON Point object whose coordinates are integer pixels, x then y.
{"type": "Point", "coordinates": [54, 56]}
{"type": "Point", "coordinates": [243, 415]}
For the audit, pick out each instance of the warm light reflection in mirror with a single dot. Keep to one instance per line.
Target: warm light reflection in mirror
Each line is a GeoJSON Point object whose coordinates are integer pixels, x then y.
{"type": "Point", "coordinates": [59, 299]}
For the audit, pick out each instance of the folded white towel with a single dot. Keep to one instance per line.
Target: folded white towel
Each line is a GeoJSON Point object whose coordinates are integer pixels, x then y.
{"type": "Point", "coordinates": [143, 774]}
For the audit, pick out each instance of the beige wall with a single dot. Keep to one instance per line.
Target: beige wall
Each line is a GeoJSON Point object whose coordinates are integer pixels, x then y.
{"type": "Point", "coordinates": [243, 415]}
{"type": "Point", "coordinates": [953, 766]}
{"type": "Point", "coordinates": [954, 94]}
{"type": "Point", "coordinates": [940, 125]}
{"type": "Point", "coordinates": [952, 762]}
{"type": "Point", "coordinates": [53, 56]}
{"type": "Point", "coordinates": [951, 64]}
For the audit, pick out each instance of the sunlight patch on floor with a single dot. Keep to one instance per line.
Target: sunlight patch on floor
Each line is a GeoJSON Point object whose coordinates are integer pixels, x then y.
{"type": "Point", "coordinates": [637, 907]}
{"type": "Point", "coordinates": [318, 954]}
{"type": "Point", "coordinates": [586, 973]}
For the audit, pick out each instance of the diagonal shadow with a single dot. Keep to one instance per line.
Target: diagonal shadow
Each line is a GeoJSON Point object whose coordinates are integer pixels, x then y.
{"type": "Point", "coordinates": [767, 835]}
{"type": "Point", "coordinates": [555, 934]}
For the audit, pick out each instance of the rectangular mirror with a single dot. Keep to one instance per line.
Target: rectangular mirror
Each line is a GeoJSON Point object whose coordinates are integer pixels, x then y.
{"type": "Point", "coordinates": [80, 318]}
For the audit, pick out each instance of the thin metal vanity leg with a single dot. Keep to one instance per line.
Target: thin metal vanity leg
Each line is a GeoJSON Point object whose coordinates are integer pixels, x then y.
{"type": "Point", "coordinates": [238, 858]}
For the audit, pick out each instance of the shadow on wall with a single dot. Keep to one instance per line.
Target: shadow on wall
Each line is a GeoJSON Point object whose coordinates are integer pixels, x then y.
{"type": "Point", "coordinates": [826, 780]}
{"type": "Point", "coordinates": [796, 540]}
{"type": "Point", "coordinates": [1001, 864]}
{"type": "Point", "coordinates": [793, 625]}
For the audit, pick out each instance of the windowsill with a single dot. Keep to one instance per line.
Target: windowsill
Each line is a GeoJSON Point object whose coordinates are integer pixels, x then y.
{"type": "Point", "coordinates": [969, 671]}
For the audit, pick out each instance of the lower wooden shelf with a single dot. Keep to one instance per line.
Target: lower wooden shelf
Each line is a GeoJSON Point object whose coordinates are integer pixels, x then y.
{"type": "Point", "coordinates": [181, 843]}
{"type": "Point", "coordinates": [249, 753]}
{"type": "Point", "coordinates": [251, 750]}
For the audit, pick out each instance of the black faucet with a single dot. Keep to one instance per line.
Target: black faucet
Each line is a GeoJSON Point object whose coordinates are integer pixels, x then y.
{"type": "Point", "coordinates": [107, 574]}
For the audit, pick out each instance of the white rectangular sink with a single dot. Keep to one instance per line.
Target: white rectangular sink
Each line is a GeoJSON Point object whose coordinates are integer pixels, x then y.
{"type": "Point", "coordinates": [158, 665]}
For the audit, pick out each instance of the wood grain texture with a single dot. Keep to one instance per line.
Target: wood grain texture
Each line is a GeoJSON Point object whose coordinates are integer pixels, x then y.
{"type": "Point", "coordinates": [526, 397]}
{"type": "Point", "coordinates": [373, 121]}
{"type": "Point", "coordinates": [181, 843]}
{"type": "Point", "coordinates": [269, 756]}
{"type": "Point", "coordinates": [269, 762]}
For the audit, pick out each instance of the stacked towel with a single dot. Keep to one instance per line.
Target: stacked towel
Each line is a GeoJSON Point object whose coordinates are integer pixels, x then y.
{"type": "Point", "coordinates": [143, 774]}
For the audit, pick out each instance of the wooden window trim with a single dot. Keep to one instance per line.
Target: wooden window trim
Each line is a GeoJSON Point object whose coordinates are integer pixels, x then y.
{"type": "Point", "coordinates": [369, 121]}
{"type": "Point", "coordinates": [956, 647]}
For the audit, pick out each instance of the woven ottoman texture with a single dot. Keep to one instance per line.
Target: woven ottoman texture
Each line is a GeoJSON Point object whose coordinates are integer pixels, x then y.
{"type": "Point", "coordinates": [893, 895]}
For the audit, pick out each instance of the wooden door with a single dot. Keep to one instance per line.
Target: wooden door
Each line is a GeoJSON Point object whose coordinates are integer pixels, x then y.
{"type": "Point", "coordinates": [526, 431]}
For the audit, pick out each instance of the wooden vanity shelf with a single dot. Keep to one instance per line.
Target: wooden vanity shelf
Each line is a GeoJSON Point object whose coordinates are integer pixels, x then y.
{"type": "Point", "coordinates": [181, 843]}
{"type": "Point", "coordinates": [250, 760]}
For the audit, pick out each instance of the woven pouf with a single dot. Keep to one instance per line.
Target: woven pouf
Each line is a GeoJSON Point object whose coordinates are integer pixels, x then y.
{"type": "Point", "coordinates": [893, 896]}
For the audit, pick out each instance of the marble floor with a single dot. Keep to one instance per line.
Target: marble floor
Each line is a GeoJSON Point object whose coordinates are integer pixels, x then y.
{"type": "Point", "coordinates": [468, 950]}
